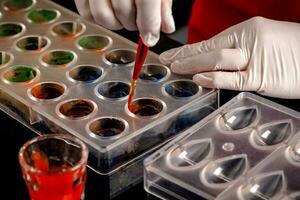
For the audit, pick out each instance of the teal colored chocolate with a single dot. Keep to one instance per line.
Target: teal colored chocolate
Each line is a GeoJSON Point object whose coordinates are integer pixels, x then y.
{"type": "Point", "coordinates": [151, 77]}
{"type": "Point", "coordinates": [114, 90]}
{"type": "Point", "coordinates": [9, 29]}
{"type": "Point", "coordinates": [42, 16]}
{"type": "Point", "coordinates": [93, 42]}
{"type": "Point", "coordinates": [15, 5]}
{"type": "Point", "coordinates": [182, 89]}
{"type": "Point", "coordinates": [59, 58]}
{"type": "Point", "coordinates": [86, 74]}
{"type": "Point", "coordinates": [20, 74]}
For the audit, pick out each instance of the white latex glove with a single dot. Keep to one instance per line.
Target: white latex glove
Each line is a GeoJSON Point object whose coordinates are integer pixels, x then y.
{"type": "Point", "coordinates": [259, 55]}
{"type": "Point", "coordinates": [149, 17]}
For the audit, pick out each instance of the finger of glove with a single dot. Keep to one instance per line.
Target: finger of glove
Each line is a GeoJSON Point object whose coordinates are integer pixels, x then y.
{"type": "Point", "coordinates": [103, 14]}
{"type": "Point", "coordinates": [221, 59]}
{"type": "Point", "coordinates": [126, 13]}
{"type": "Point", "coordinates": [148, 20]}
{"type": "Point", "coordinates": [83, 7]}
{"type": "Point", "coordinates": [167, 20]}
{"type": "Point", "coordinates": [223, 42]}
{"type": "Point", "coordinates": [222, 80]}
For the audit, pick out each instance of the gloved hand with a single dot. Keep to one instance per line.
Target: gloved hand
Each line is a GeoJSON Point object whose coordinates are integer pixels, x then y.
{"type": "Point", "coordinates": [149, 17]}
{"type": "Point", "coordinates": [259, 55]}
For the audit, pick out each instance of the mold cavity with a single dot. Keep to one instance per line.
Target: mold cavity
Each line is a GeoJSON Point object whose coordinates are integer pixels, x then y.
{"type": "Point", "coordinates": [10, 29]}
{"type": "Point", "coordinates": [239, 118]}
{"type": "Point", "coordinates": [190, 154]}
{"type": "Point", "coordinates": [47, 91]}
{"type": "Point", "coordinates": [120, 57]}
{"type": "Point", "coordinates": [94, 42]}
{"type": "Point", "coordinates": [20, 74]}
{"type": "Point", "coordinates": [274, 133]}
{"type": "Point", "coordinates": [107, 127]}
{"type": "Point", "coordinates": [145, 107]}
{"type": "Point", "coordinates": [76, 108]}
{"type": "Point", "coordinates": [263, 187]}
{"type": "Point", "coordinates": [113, 90]}
{"type": "Point", "coordinates": [58, 58]}
{"type": "Point", "coordinates": [4, 58]}
{"type": "Point", "coordinates": [154, 72]}
{"type": "Point", "coordinates": [18, 5]}
{"type": "Point", "coordinates": [181, 88]}
{"type": "Point", "coordinates": [225, 170]}
{"type": "Point", "coordinates": [68, 29]}
{"type": "Point", "coordinates": [32, 43]}
{"type": "Point", "coordinates": [41, 16]}
{"type": "Point", "coordinates": [294, 152]}
{"type": "Point", "coordinates": [85, 73]}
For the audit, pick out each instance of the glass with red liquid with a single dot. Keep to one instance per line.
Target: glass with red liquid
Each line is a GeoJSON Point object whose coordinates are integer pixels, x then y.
{"type": "Point", "coordinates": [54, 167]}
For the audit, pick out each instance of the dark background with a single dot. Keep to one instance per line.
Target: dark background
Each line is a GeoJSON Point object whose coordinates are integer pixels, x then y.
{"type": "Point", "coordinates": [15, 134]}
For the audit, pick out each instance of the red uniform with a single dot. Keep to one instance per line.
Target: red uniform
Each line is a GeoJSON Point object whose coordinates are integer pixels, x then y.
{"type": "Point", "coordinates": [210, 17]}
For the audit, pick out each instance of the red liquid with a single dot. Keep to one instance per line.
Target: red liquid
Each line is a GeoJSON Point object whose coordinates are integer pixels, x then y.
{"type": "Point", "coordinates": [58, 185]}
{"type": "Point", "coordinates": [141, 54]}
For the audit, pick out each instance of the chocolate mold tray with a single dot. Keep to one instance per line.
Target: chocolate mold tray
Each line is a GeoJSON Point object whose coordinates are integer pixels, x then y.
{"type": "Point", "coordinates": [218, 151]}
{"type": "Point", "coordinates": [72, 76]}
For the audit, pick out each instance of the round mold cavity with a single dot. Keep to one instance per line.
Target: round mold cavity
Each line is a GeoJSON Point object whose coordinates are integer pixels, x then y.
{"type": "Point", "coordinates": [120, 57]}
{"type": "Point", "coordinates": [112, 90]}
{"type": "Point", "coordinates": [11, 29]}
{"type": "Point", "coordinates": [18, 5]}
{"type": "Point", "coordinates": [153, 73]}
{"type": "Point", "coordinates": [5, 58]}
{"type": "Point", "coordinates": [96, 43]}
{"type": "Point", "coordinates": [34, 43]}
{"type": "Point", "coordinates": [222, 172]}
{"type": "Point", "coordinates": [42, 16]}
{"type": "Point", "coordinates": [272, 134]}
{"type": "Point", "coordinates": [76, 109]}
{"type": "Point", "coordinates": [58, 58]}
{"type": "Point", "coordinates": [146, 108]}
{"type": "Point", "coordinates": [262, 187]}
{"type": "Point", "coordinates": [107, 128]}
{"type": "Point", "coordinates": [47, 91]}
{"type": "Point", "coordinates": [85, 74]}
{"type": "Point", "coordinates": [68, 29]}
{"type": "Point", "coordinates": [239, 119]}
{"type": "Point", "coordinates": [292, 153]}
{"type": "Point", "coordinates": [181, 89]}
{"type": "Point", "coordinates": [20, 74]}
{"type": "Point", "coordinates": [190, 155]}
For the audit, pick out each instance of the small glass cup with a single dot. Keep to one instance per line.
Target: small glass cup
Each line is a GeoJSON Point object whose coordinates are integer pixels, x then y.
{"type": "Point", "coordinates": [54, 167]}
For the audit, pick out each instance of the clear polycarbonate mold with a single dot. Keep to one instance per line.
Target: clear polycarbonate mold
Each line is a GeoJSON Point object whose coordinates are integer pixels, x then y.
{"type": "Point", "coordinates": [190, 154]}
{"type": "Point", "coordinates": [262, 187]}
{"type": "Point", "coordinates": [47, 91]}
{"type": "Point", "coordinates": [239, 118]}
{"type": "Point", "coordinates": [112, 90]}
{"type": "Point", "coordinates": [224, 170]}
{"type": "Point", "coordinates": [18, 5]}
{"type": "Point", "coordinates": [76, 109]}
{"type": "Point", "coordinates": [272, 133]}
{"type": "Point", "coordinates": [5, 58]}
{"type": "Point", "coordinates": [120, 57]}
{"type": "Point", "coordinates": [181, 89]}
{"type": "Point", "coordinates": [11, 29]}
{"type": "Point", "coordinates": [34, 43]}
{"type": "Point", "coordinates": [146, 108]}
{"type": "Point", "coordinates": [68, 29]}
{"type": "Point", "coordinates": [58, 58]}
{"type": "Point", "coordinates": [96, 43]}
{"type": "Point", "coordinates": [42, 16]}
{"type": "Point", "coordinates": [107, 128]}
{"type": "Point", "coordinates": [153, 73]}
{"type": "Point", "coordinates": [85, 74]}
{"type": "Point", "coordinates": [20, 74]}
{"type": "Point", "coordinates": [293, 153]}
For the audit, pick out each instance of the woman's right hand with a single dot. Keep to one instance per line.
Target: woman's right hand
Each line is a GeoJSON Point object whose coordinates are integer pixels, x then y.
{"type": "Point", "coordinates": [149, 17]}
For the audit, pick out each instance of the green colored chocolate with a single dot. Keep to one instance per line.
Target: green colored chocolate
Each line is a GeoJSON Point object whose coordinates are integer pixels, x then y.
{"type": "Point", "coordinates": [20, 74]}
{"type": "Point", "coordinates": [42, 16]}
{"type": "Point", "coordinates": [9, 29]}
{"type": "Point", "coordinates": [15, 5]}
{"type": "Point", "coordinates": [59, 58]}
{"type": "Point", "coordinates": [93, 42]}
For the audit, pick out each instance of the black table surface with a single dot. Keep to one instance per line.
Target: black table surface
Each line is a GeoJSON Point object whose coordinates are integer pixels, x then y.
{"type": "Point", "coordinates": [14, 134]}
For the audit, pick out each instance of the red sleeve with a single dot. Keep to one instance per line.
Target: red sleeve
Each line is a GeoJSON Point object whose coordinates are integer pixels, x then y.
{"type": "Point", "coordinates": [210, 17]}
